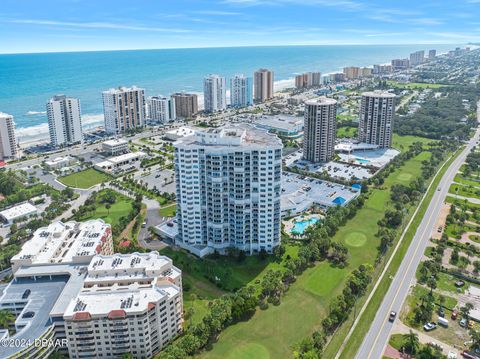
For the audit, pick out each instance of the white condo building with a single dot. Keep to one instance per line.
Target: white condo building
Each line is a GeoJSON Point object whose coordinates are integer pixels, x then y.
{"type": "Point", "coordinates": [214, 93]}
{"type": "Point", "coordinates": [69, 287]}
{"type": "Point", "coordinates": [129, 303]}
{"type": "Point", "coordinates": [228, 190]}
{"type": "Point", "coordinates": [64, 121]}
{"type": "Point", "coordinates": [8, 142]}
{"type": "Point", "coordinates": [124, 109]}
{"type": "Point", "coordinates": [320, 127]}
{"type": "Point", "coordinates": [161, 109]}
{"type": "Point", "coordinates": [376, 118]}
{"type": "Point", "coordinates": [241, 91]}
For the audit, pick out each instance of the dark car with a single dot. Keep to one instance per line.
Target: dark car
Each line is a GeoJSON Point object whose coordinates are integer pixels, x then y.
{"type": "Point", "coordinates": [392, 317]}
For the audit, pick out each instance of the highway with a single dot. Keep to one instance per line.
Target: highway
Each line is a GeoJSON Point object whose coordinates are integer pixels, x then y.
{"type": "Point", "coordinates": [377, 337]}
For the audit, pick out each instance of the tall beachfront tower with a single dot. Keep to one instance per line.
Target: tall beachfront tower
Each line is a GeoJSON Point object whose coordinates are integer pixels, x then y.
{"type": "Point", "coordinates": [64, 121]}
{"type": "Point", "coordinates": [376, 118]}
{"type": "Point", "coordinates": [124, 109]}
{"type": "Point", "coordinates": [186, 104]}
{"type": "Point", "coordinates": [241, 89]}
{"type": "Point", "coordinates": [8, 142]}
{"type": "Point", "coordinates": [228, 190]}
{"type": "Point", "coordinates": [320, 129]}
{"type": "Point", "coordinates": [214, 93]}
{"type": "Point", "coordinates": [161, 109]}
{"type": "Point", "coordinates": [263, 85]}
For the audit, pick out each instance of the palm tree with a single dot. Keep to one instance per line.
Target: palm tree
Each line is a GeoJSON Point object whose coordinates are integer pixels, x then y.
{"type": "Point", "coordinates": [6, 318]}
{"type": "Point", "coordinates": [411, 341]}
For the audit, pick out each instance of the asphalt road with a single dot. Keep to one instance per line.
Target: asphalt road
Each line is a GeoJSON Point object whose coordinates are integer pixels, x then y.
{"type": "Point", "coordinates": [377, 337]}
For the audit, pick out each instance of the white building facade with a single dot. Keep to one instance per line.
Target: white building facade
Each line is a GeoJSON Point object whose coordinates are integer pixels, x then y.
{"type": "Point", "coordinates": [214, 93]}
{"type": "Point", "coordinates": [8, 142]}
{"type": "Point", "coordinates": [320, 127]}
{"type": "Point", "coordinates": [241, 91]}
{"type": "Point", "coordinates": [64, 121]}
{"type": "Point", "coordinates": [124, 109]}
{"type": "Point", "coordinates": [161, 109]}
{"type": "Point", "coordinates": [228, 189]}
{"type": "Point", "coordinates": [376, 118]}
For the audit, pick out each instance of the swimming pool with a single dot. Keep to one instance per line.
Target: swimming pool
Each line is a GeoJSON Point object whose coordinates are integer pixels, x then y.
{"type": "Point", "coordinates": [362, 160]}
{"type": "Point", "coordinates": [300, 227]}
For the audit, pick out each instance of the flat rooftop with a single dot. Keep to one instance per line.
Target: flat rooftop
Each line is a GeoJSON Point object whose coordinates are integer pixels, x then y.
{"type": "Point", "coordinates": [301, 191]}
{"type": "Point", "coordinates": [126, 157]}
{"type": "Point", "coordinates": [280, 122]}
{"type": "Point", "coordinates": [115, 142]}
{"type": "Point", "coordinates": [241, 135]}
{"type": "Point", "coordinates": [62, 242]}
{"type": "Point", "coordinates": [21, 210]}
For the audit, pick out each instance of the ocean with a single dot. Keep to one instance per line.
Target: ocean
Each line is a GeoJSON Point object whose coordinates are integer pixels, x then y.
{"type": "Point", "coordinates": [27, 81]}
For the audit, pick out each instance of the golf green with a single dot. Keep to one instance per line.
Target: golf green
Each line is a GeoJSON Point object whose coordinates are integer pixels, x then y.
{"type": "Point", "coordinates": [404, 176]}
{"type": "Point", "coordinates": [355, 239]}
{"type": "Point", "coordinates": [250, 350]}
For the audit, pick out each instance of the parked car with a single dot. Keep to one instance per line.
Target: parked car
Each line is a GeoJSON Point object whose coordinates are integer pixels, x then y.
{"type": "Point", "coordinates": [471, 324]}
{"type": "Point", "coordinates": [441, 312]}
{"type": "Point", "coordinates": [429, 326]}
{"type": "Point", "coordinates": [392, 317]}
{"type": "Point", "coordinates": [452, 355]}
{"type": "Point", "coordinates": [459, 283]}
{"type": "Point", "coordinates": [454, 314]}
{"type": "Point", "coordinates": [463, 323]}
{"type": "Point", "coordinates": [443, 322]}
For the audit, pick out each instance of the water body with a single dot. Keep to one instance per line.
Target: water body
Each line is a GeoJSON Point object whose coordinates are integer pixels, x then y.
{"type": "Point", "coordinates": [27, 81]}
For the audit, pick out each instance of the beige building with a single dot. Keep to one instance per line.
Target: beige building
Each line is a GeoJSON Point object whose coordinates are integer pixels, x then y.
{"type": "Point", "coordinates": [376, 118]}
{"type": "Point", "coordinates": [124, 109]}
{"type": "Point", "coordinates": [262, 85]}
{"type": "Point", "coordinates": [319, 129]}
{"type": "Point", "coordinates": [186, 104]}
{"type": "Point", "coordinates": [351, 72]}
{"type": "Point", "coordinates": [308, 79]}
{"type": "Point", "coordinates": [8, 142]}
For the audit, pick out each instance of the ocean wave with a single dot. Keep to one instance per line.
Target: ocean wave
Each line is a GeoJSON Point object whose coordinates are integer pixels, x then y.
{"type": "Point", "coordinates": [35, 113]}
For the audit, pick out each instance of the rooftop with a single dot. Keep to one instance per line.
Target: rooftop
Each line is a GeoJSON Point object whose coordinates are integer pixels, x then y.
{"type": "Point", "coordinates": [115, 142]}
{"type": "Point", "coordinates": [321, 101]}
{"type": "Point", "coordinates": [63, 242]}
{"type": "Point", "coordinates": [281, 122]}
{"type": "Point", "coordinates": [379, 93]}
{"type": "Point", "coordinates": [231, 136]}
{"type": "Point", "coordinates": [21, 210]}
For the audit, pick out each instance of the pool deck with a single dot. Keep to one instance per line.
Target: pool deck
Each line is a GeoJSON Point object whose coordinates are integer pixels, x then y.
{"type": "Point", "coordinates": [290, 224]}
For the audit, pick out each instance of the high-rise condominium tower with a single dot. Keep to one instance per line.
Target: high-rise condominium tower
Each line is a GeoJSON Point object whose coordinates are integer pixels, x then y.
{"type": "Point", "coordinates": [308, 79]}
{"type": "Point", "coordinates": [64, 120]}
{"type": "Point", "coordinates": [161, 109]}
{"type": "Point", "coordinates": [263, 85]}
{"type": "Point", "coordinates": [417, 58]}
{"type": "Point", "coordinates": [228, 189]}
{"type": "Point", "coordinates": [214, 93]}
{"type": "Point", "coordinates": [8, 142]}
{"type": "Point", "coordinates": [241, 91]}
{"type": "Point", "coordinates": [319, 129]}
{"type": "Point", "coordinates": [124, 109]}
{"type": "Point", "coordinates": [186, 104]}
{"type": "Point", "coordinates": [376, 118]}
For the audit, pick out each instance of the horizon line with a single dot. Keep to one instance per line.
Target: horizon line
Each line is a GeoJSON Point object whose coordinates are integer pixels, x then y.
{"type": "Point", "coordinates": [229, 47]}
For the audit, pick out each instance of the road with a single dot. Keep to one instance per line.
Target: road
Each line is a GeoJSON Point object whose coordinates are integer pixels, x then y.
{"type": "Point", "coordinates": [377, 337]}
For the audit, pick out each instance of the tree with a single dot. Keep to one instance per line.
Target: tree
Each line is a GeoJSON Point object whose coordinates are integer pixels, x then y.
{"type": "Point", "coordinates": [7, 318]}
{"type": "Point", "coordinates": [475, 336]}
{"type": "Point", "coordinates": [411, 342]}
{"type": "Point", "coordinates": [108, 206]}
{"type": "Point", "coordinates": [466, 309]}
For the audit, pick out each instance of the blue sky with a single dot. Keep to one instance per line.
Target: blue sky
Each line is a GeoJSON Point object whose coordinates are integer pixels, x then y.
{"type": "Point", "coordinates": [77, 25]}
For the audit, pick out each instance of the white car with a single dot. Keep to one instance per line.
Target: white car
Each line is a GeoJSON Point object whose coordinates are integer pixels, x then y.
{"type": "Point", "coordinates": [429, 326]}
{"type": "Point", "coordinates": [452, 355]}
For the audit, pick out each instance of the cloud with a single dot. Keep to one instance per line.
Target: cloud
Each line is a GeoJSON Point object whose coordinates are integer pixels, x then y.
{"type": "Point", "coordinates": [99, 25]}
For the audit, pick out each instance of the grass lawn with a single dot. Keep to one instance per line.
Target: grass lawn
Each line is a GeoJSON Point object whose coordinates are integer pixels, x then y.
{"type": "Point", "coordinates": [168, 211]}
{"type": "Point", "coordinates": [396, 341]}
{"type": "Point", "coordinates": [468, 181]}
{"type": "Point", "coordinates": [347, 132]}
{"type": "Point", "coordinates": [84, 179]}
{"type": "Point", "coordinates": [403, 142]}
{"type": "Point", "coordinates": [120, 208]}
{"type": "Point", "coordinates": [278, 329]}
{"type": "Point", "coordinates": [465, 191]}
